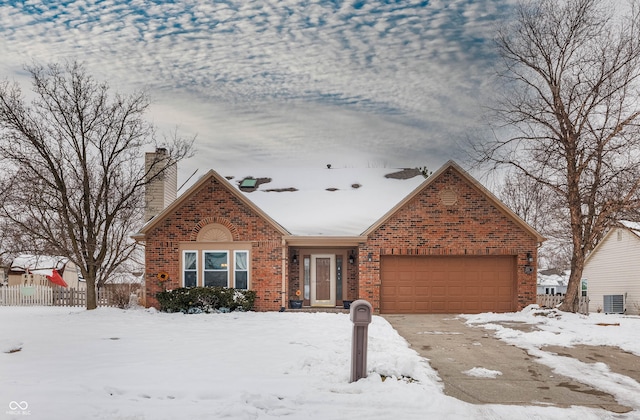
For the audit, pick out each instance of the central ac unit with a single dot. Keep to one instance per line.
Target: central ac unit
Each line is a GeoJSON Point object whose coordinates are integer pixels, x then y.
{"type": "Point", "coordinates": [613, 304]}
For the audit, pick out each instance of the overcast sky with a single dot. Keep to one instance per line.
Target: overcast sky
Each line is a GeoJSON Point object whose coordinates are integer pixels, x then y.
{"type": "Point", "coordinates": [281, 82]}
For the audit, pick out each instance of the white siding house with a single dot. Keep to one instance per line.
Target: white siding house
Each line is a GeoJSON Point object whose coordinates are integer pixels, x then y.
{"type": "Point", "coordinates": [32, 270]}
{"type": "Point", "coordinates": [552, 283]}
{"type": "Point", "coordinates": [612, 271]}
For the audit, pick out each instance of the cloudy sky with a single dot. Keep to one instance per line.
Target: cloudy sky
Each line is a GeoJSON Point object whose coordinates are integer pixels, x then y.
{"type": "Point", "coordinates": [281, 82]}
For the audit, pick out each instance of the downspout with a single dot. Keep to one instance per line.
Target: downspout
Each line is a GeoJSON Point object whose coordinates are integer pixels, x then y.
{"type": "Point", "coordinates": [284, 275]}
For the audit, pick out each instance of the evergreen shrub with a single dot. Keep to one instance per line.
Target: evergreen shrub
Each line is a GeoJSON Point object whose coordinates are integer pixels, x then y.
{"type": "Point", "coordinates": [206, 299]}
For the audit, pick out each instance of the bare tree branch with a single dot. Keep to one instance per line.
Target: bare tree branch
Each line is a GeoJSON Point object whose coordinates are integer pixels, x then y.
{"type": "Point", "coordinates": [74, 178]}
{"type": "Point", "coordinates": [569, 113]}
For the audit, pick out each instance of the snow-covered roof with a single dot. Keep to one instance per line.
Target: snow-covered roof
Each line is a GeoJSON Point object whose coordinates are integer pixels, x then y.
{"type": "Point", "coordinates": [634, 226]}
{"type": "Point", "coordinates": [322, 201]}
{"type": "Point", "coordinates": [34, 263]}
{"type": "Point", "coordinates": [553, 279]}
{"type": "Point", "coordinates": [326, 202]}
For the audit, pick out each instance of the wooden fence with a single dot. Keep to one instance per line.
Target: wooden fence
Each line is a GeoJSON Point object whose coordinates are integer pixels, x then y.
{"type": "Point", "coordinates": [552, 301]}
{"type": "Point", "coordinates": [55, 296]}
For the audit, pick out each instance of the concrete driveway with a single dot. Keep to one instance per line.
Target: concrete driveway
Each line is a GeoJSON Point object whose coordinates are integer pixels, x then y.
{"type": "Point", "coordinates": [452, 348]}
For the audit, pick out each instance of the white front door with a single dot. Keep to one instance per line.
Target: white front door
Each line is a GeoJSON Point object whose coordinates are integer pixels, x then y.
{"type": "Point", "coordinates": [323, 280]}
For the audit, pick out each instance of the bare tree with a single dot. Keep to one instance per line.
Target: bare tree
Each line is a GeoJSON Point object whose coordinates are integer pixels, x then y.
{"type": "Point", "coordinates": [542, 208]}
{"type": "Point", "coordinates": [570, 113]}
{"type": "Point", "coordinates": [73, 179]}
{"type": "Point", "coordinates": [527, 198]}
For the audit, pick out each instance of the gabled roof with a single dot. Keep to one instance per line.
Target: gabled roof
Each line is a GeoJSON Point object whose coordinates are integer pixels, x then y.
{"type": "Point", "coordinates": [316, 205]}
{"type": "Point", "coordinates": [632, 227]}
{"type": "Point", "coordinates": [37, 263]}
{"type": "Point", "coordinates": [195, 187]}
{"type": "Point", "coordinates": [555, 279]}
{"type": "Point", "coordinates": [492, 199]}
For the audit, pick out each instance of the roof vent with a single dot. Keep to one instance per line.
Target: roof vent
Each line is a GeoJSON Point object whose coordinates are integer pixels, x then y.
{"type": "Point", "coordinates": [248, 183]}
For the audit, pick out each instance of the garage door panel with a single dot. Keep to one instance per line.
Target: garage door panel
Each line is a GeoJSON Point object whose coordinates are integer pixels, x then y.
{"type": "Point", "coordinates": [438, 291]}
{"type": "Point", "coordinates": [405, 291]}
{"type": "Point", "coordinates": [405, 275]}
{"type": "Point", "coordinates": [432, 284]}
{"type": "Point", "coordinates": [472, 290]}
{"type": "Point", "coordinates": [505, 292]}
{"type": "Point", "coordinates": [422, 307]}
{"type": "Point", "coordinates": [438, 276]}
{"type": "Point", "coordinates": [421, 291]}
{"type": "Point", "coordinates": [387, 290]}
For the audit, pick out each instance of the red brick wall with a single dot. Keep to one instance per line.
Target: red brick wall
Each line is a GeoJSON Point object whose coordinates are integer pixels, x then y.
{"type": "Point", "coordinates": [426, 226]}
{"type": "Point", "coordinates": [213, 202]}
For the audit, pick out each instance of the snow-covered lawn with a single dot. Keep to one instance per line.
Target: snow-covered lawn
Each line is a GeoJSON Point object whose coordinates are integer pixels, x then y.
{"type": "Point", "coordinates": [64, 363]}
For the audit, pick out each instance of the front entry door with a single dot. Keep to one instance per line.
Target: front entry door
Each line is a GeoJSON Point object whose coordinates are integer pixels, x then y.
{"type": "Point", "coordinates": [323, 280]}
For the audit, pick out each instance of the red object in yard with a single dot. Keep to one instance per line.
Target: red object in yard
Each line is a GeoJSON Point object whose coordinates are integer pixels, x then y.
{"type": "Point", "coordinates": [56, 278]}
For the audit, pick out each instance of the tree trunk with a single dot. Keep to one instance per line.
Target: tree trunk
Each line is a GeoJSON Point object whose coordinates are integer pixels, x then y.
{"type": "Point", "coordinates": [572, 298]}
{"type": "Point", "coordinates": [92, 301]}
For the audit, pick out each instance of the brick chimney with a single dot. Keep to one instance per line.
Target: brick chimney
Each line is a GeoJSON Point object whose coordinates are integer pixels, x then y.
{"type": "Point", "coordinates": [162, 191]}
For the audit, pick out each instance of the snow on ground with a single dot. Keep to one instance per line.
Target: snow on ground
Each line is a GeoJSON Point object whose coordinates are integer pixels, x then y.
{"type": "Point", "coordinates": [554, 328]}
{"type": "Point", "coordinates": [64, 363]}
{"type": "Point", "coordinates": [480, 372]}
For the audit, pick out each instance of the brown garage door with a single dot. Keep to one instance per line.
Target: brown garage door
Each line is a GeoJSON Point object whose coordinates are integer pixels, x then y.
{"type": "Point", "coordinates": [429, 284]}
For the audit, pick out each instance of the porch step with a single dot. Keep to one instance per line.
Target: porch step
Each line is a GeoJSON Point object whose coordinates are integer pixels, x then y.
{"type": "Point", "coordinates": [337, 309]}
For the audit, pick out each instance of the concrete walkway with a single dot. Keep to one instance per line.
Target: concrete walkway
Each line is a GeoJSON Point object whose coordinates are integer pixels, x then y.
{"type": "Point", "coordinates": [452, 348]}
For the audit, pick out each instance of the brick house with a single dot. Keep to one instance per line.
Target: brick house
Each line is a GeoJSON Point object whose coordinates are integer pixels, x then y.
{"type": "Point", "coordinates": [444, 245]}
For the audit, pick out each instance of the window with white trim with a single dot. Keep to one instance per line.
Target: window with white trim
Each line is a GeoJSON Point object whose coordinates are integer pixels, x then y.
{"type": "Point", "coordinates": [190, 268]}
{"type": "Point", "coordinates": [241, 269]}
{"type": "Point", "coordinates": [216, 269]}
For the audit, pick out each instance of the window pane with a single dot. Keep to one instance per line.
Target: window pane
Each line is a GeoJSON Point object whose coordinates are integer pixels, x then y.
{"type": "Point", "coordinates": [215, 260]}
{"type": "Point", "coordinates": [189, 260]}
{"type": "Point", "coordinates": [241, 260]}
{"type": "Point", "coordinates": [338, 277]}
{"type": "Point", "coordinates": [190, 265]}
{"type": "Point", "coordinates": [307, 276]}
{"type": "Point", "coordinates": [215, 278]}
{"type": "Point", "coordinates": [241, 279]}
{"type": "Point", "coordinates": [190, 279]}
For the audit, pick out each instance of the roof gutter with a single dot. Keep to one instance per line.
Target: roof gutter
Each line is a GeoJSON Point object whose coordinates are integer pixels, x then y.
{"type": "Point", "coordinates": [324, 240]}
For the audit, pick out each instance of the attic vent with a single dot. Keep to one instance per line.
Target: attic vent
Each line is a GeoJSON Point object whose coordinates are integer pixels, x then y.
{"type": "Point", "coordinates": [214, 232]}
{"type": "Point", "coordinates": [613, 304]}
{"type": "Point", "coordinates": [448, 197]}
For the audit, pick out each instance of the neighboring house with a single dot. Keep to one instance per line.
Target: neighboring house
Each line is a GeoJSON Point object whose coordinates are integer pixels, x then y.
{"type": "Point", "coordinates": [4, 280]}
{"type": "Point", "coordinates": [552, 282]}
{"type": "Point", "coordinates": [440, 245]}
{"type": "Point", "coordinates": [611, 271]}
{"type": "Point", "coordinates": [32, 270]}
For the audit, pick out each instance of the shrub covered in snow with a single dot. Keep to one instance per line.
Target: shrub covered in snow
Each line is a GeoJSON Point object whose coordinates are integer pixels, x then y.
{"type": "Point", "coordinates": [206, 299]}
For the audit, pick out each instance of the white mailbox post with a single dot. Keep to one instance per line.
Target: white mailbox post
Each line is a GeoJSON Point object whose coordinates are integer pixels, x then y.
{"type": "Point", "coordinates": [360, 313]}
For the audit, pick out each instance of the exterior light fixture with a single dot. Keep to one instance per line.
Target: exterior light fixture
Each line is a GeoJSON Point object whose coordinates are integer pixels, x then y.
{"type": "Point", "coordinates": [528, 269]}
{"type": "Point", "coordinates": [294, 257]}
{"type": "Point", "coordinates": [351, 258]}
{"type": "Point", "coordinates": [370, 257]}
